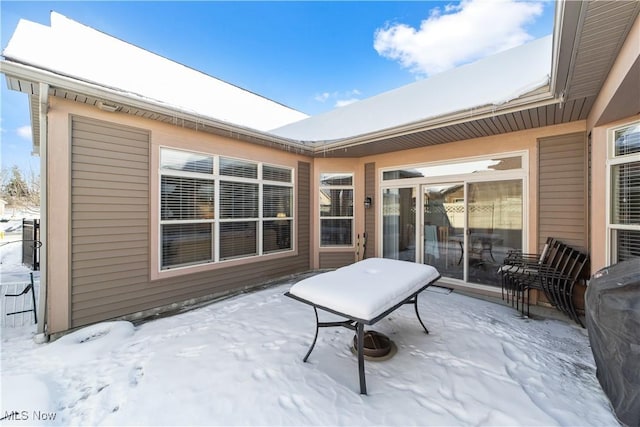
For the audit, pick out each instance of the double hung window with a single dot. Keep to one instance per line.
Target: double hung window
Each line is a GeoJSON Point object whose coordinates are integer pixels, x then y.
{"type": "Point", "coordinates": [187, 198]}
{"type": "Point", "coordinates": [336, 209]}
{"type": "Point", "coordinates": [624, 189]}
{"type": "Point", "coordinates": [215, 208]}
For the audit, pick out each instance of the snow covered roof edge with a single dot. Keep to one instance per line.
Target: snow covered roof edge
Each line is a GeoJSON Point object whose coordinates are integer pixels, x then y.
{"type": "Point", "coordinates": [494, 80]}
{"type": "Point", "coordinates": [76, 50]}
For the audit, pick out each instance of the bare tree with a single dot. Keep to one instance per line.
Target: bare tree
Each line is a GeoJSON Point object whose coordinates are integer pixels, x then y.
{"type": "Point", "coordinates": [17, 191]}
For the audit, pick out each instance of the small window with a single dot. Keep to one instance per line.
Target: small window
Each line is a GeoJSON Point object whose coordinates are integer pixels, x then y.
{"type": "Point", "coordinates": [460, 168]}
{"type": "Point", "coordinates": [274, 173]}
{"type": "Point", "coordinates": [624, 202]}
{"type": "Point", "coordinates": [186, 162]}
{"type": "Point", "coordinates": [238, 168]}
{"type": "Point", "coordinates": [336, 209]}
{"type": "Point", "coordinates": [627, 141]}
{"type": "Point", "coordinates": [277, 211]}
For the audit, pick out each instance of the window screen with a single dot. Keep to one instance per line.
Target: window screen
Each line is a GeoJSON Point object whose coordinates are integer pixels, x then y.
{"type": "Point", "coordinates": [238, 239]}
{"type": "Point", "coordinates": [336, 209]}
{"type": "Point", "coordinates": [627, 244]}
{"type": "Point", "coordinates": [238, 200]}
{"type": "Point", "coordinates": [276, 235]}
{"type": "Point", "coordinates": [625, 181]}
{"type": "Point", "coordinates": [186, 198]}
{"type": "Point", "coordinates": [276, 202]}
{"type": "Point", "coordinates": [185, 244]}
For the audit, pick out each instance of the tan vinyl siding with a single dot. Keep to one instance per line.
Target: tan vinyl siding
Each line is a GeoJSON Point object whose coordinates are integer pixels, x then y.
{"type": "Point", "coordinates": [562, 188]}
{"type": "Point", "coordinates": [110, 216]}
{"type": "Point", "coordinates": [303, 199]}
{"type": "Point", "coordinates": [370, 214]}
{"type": "Point", "coordinates": [110, 236]}
{"type": "Point", "coordinates": [330, 260]}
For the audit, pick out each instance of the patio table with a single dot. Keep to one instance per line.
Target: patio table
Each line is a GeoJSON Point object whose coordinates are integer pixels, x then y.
{"type": "Point", "coordinates": [485, 240]}
{"type": "Point", "coordinates": [364, 293]}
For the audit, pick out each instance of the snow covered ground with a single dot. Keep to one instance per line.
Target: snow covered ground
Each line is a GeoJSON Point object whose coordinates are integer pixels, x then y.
{"type": "Point", "coordinates": [239, 362]}
{"type": "Point", "coordinates": [13, 275]}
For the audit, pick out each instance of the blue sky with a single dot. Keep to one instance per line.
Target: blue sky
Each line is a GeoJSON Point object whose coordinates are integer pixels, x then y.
{"type": "Point", "coordinates": [311, 56]}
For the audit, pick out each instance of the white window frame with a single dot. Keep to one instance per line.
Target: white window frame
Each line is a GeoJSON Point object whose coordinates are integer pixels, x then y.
{"type": "Point", "coordinates": [353, 213]}
{"type": "Point", "coordinates": [216, 177]}
{"type": "Point", "coordinates": [613, 160]}
{"type": "Point", "coordinates": [521, 173]}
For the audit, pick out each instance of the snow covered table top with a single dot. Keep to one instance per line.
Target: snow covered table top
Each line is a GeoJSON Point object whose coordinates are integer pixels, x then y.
{"type": "Point", "coordinates": [366, 289]}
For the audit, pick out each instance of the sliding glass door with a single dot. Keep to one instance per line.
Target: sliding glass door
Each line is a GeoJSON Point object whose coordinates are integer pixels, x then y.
{"type": "Point", "coordinates": [443, 228]}
{"type": "Point", "coordinates": [494, 226]}
{"type": "Point", "coordinates": [466, 235]}
{"type": "Point", "coordinates": [461, 217]}
{"type": "Point", "coordinates": [399, 223]}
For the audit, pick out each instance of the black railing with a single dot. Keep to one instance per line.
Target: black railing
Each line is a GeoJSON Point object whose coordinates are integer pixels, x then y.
{"type": "Point", "coordinates": [31, 243]}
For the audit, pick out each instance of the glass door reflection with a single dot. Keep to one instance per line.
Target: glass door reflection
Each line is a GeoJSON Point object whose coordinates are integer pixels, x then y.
{"type": "Point", "coordinates": [443, 228]}
{"type": "Point", "coordinates": [494, 227]}
{"type": "Point", "coordinates": [398, 223]}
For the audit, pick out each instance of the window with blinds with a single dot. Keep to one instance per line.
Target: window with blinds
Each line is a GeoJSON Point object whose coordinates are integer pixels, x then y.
{"type": "Point", "coordinates": [336, 209]}
{"type": "Point", "coordinates": [624, 205]}
{"type": "Point", "coordinates": [277, 211]}
{"type": "Point", "coordinates": [216, 208]}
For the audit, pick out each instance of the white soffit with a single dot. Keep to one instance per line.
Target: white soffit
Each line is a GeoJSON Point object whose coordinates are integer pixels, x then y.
{"type": "Point", "coordinates": [75, 50]}
{"type": "Point", "coordinates": [494, 80]}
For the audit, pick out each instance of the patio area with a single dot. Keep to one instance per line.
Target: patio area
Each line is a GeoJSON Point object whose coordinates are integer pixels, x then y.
{"type": "Point", "coordinates": [239, 362]}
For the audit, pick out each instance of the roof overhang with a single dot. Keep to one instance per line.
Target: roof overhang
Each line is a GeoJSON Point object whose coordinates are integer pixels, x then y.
{"type": "Point", "coordinates": [587, 38]}
{"type": "Point", "coordinates": [26, 79]}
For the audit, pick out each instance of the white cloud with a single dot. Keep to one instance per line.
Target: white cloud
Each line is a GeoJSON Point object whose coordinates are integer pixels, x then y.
{"type": "Point", "coordinates": [322, 97]}
{"type": "Point", "coordinates": [458, 34]}
{"type": "Point", "coordinates": [341, 98]}
{"type": "Point", "coordinates": [24, 132]}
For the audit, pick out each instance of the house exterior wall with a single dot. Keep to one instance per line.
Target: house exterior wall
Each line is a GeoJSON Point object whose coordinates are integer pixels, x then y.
{"type": "Point", "coordinates": [86, 287]}
{"type": "Point", "coordinates": [606, 102]}
{"type": "Point", "coordinates": [600, 193]}
{"type": "Point", "coordinates": [98, 164]}
{"type": "Point", "coordinates": [370, 213]}
{"type": "Point", "coordinates": [334, 257]}
{"type": "Point", "coordinates": [562, 183]}
{"type": "Point", "coordinates": [524, 141]}
{"type": "Point", "coordinates": [109, 218]}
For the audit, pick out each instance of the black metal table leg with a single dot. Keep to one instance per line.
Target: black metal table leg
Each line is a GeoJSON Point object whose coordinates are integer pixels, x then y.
{"type": "Point", "coordinates": [360, 332]}
{"type": "Point", "coordinates": [314, 338]}
{"type": "Point", "coordinates": [415, 304]}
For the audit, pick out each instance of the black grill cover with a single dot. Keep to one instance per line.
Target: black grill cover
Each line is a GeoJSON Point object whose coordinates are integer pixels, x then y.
{"type": "Point", "coordinates": [612, 311]}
